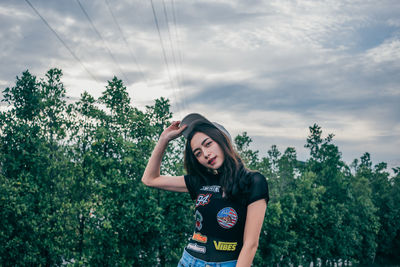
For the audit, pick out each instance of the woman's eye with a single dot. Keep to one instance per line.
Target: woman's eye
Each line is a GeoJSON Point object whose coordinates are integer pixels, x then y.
{"type": "Point", "coordinates": [197, 154]}
{"type": "Point", "coordinates": [208, 143]}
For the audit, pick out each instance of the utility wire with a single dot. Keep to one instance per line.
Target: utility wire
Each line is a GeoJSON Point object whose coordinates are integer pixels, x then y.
{"type": "Point", "coordinates": [126, 42]}
{"type": "Point", "coordinates": [162, 44]}
{"type": "Point", "coordinates": [179, 51]}
{"type": "Point", "coordinates": [176, 30]}
{"type": "Point", "coordinates": [104, 42]}
{"type": "Point", "coordinates": [61, 40]}
{"type": "Point", "coordinates": [169, 33]}
{"type": "Point", "coordinates": [173, 54]}
{"type": "Point", "coordinates": [172, 48]}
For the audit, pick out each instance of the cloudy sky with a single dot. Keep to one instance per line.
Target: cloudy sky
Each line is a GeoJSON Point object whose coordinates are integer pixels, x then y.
{"type": "Point", "coordinates": [270, 68]}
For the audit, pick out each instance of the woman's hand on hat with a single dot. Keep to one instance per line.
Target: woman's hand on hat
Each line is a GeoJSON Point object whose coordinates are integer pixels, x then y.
{"type": "Point", "coordinates": [173, 131]}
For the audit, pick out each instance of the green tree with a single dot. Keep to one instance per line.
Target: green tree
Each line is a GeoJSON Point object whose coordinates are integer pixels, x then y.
{"type": "Point", "coordinates": [119, 221]}
{"type": "Point", "coordinates": [250, 157]}
{"type": "Point", "coordinates": [116, 214]}
{"type": "Point", "coordinates": [34, 172]}
{"type": "Point", "coordinates": [70, 189]}
{"type": "Point", "coordinates": [385, 196]}
{"type": "Point", "coordinates": [173, 206]}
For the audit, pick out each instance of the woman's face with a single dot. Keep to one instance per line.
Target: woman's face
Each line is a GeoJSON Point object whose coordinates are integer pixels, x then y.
{"type": "Point", "coordinates": [207, 151]}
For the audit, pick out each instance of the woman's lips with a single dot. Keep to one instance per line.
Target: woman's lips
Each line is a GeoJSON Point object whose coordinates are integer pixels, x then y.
{"type": "Point", "coordinates": [212, 161]}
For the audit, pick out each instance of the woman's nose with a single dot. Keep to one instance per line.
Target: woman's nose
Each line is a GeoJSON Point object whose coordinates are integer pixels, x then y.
{"type": "Point", "coordinates": [206, 154]}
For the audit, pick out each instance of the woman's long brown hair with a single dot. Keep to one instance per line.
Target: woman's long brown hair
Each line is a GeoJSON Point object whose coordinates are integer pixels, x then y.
{"type": "Point", "coordinates": [232, 175]}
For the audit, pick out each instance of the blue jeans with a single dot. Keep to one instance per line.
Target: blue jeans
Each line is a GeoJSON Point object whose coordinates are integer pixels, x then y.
{"type": "Point", "coordinates": [188, 260]}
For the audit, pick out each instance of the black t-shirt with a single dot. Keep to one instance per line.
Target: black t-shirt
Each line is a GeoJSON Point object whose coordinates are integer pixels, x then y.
{"type": "Point", "coordinates": [219, 222]}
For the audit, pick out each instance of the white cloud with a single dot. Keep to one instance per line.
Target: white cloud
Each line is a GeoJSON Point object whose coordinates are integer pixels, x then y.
{"type": "Point", "coordinates": [271, 68]}
{"type": "Point", "coordinates": [15, 13]}
{"type": "Point", "coordinates": [4, 83]}
{"type": "Point", "coordinates": [387, 52]}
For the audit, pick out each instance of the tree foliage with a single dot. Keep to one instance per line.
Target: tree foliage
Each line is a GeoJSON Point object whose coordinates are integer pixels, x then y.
{"type": "Point", "coordinates": [71, 192]}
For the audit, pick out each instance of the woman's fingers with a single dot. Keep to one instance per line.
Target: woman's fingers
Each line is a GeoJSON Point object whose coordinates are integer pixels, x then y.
{"type": "Point", "coordinates": [183, 127]}
{"type": "Point", "coordinates": [175, 123]}
{"type": "Point", "coordinates": [174, 130]}
{"type": "Point", "coordinates": [174, 126]}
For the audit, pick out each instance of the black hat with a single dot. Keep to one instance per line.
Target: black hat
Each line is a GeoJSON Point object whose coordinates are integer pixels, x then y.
{"type": "Point", "coordinates": [194, 118]}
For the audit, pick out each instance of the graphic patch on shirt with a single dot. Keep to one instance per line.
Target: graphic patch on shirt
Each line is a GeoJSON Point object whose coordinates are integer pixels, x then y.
{"type": "Point", "coordinates": [203, 199]}
{"type": "Point", "coordinates": [227, 217]}
{"type": "Point", "coordinates": [199, 238]}
{"type": "Point", "coordinates": [211, 188]}
{"type": "Point", "coordinates": [225, 246]}
{"type": "Point", "coordinates": [196, 248]}
{"type": "Point", "coordinates": [199, 220]}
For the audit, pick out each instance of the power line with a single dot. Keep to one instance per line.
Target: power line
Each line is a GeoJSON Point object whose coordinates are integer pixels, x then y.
{"type": "Point", "coordinates": [162, 44]}
{"type": "Point", "coordinates": [173, 54]}
{"type": "Point", "coordinates": [172, 48]}
{"type": "Point", "coordinates": [126, 42]}
{"type": "Point", "coordinates": [169, 33]}
{"type": "Point", "coordinates": [176, 30]}
{"type": "Point", "coordinates": [104, 42]}
{"type": "Point", "coordinates": [179, 51]}
{"type": "Point", "coordinates": [61, 40]}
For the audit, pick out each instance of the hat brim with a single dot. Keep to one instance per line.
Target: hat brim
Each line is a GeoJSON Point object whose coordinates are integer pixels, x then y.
{"type": "Point", "coordinates": [191, 120]}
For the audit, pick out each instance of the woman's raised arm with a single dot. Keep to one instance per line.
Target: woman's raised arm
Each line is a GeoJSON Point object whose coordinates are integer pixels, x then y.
{"type": "Point", "coordinates": [151, 176]}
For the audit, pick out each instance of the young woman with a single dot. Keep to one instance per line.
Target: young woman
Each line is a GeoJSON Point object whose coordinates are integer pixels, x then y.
{"type": "Point", "coordinates": [230, 201]}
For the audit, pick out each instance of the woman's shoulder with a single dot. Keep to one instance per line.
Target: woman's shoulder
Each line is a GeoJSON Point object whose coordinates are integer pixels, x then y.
{"type": "Point", "coordinates": [257, 176]}
{"type": "Point", "coordinates": [259, 187]}
{"type": "Point", "coordinates": [254, 176]}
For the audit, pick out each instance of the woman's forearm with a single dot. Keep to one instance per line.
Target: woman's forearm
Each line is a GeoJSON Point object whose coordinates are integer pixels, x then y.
{"type": "Point", "coordinates": [152, 170]}
{"type": "Point", "coordinates": [151, 176]}
{"type": "Point", "coordinates": [254, 220]}
{"type": "Point", "coordinates": [246, 255]}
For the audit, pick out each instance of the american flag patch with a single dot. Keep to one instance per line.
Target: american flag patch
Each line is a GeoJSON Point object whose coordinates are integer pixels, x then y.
{"type": "Point", "coordinates": [227, 217]}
